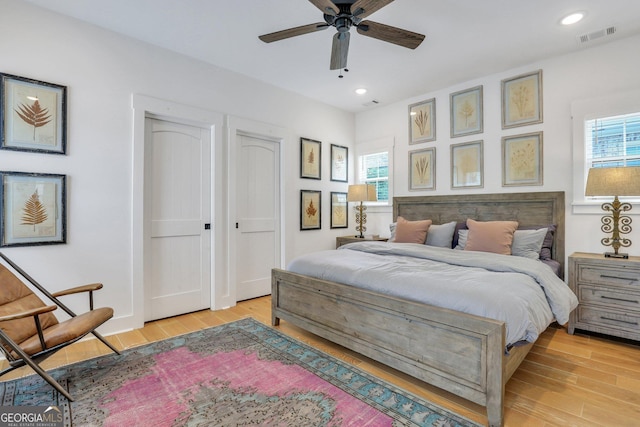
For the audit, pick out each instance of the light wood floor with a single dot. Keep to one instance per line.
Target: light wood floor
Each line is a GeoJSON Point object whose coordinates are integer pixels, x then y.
{"type": "Point", "coordinates": [566, 380]}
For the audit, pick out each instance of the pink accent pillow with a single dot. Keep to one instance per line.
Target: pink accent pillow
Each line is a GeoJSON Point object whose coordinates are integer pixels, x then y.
{"type": "Point", "coordinates": [490, 236]}
{"type": "Point", "coordinates": [412, 231]}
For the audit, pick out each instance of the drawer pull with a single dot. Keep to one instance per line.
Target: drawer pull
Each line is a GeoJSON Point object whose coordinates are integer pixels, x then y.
{"type": "Point", "coordinates": [619, 299]}
{"type": "Point", "coordinates": [607, 276]}
{"type": "Point", "coordinates": [618, 320]}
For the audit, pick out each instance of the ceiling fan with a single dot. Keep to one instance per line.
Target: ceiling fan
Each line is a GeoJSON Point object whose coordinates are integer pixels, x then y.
{"type": "Point", "coordinates": [344, 14]}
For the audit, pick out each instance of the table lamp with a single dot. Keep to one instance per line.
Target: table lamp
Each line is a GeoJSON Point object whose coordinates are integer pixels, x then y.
{"type": "Point", "coordinates": [621, 181]}
{"type": "Point", "coordinates": [361, 193]}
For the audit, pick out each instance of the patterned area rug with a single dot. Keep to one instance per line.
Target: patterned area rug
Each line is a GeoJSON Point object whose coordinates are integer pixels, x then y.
{"type": "Point", "coordinates": [240, 374]}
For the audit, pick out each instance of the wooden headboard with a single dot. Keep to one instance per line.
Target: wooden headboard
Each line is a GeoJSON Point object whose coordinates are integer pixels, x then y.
{"type": "Point", "coordinates": [529, 209]}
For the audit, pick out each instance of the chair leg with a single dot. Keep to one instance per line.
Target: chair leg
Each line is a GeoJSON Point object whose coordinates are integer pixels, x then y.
{"type": "Point", "coordinates": [48, 378]}
{"type": "Point", "coordinates": [104, 340]}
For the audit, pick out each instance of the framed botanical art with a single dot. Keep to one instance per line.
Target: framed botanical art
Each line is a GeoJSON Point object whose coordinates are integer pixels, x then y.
{"type": "Point", "coordinates": [522, 160]}
{"type": "Point", "coordinates": [33, 209]}
{"type": "Point", "coordinates": [466, 112]}
{"type": "Point", "coordinates": [339, 213]}
{"type": "Point", "coordinates": [32, 115]}
{"type": "Point", "coordinates": [422, 164]}
{"type": "Point", "coordinates": [422, 121]}
{"type": "Point", "coordinates": [339, 163]}
{"type": "Point", "coordinates": [310, 158]}
{"type": "Point", "coordinates": [310, 210]}
{"type": "Point", "coordinates": [522, 100]}
{"type": "Point", "coordinates": [467, 165]}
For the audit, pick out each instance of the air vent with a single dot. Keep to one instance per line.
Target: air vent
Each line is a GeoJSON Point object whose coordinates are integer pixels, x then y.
{"type": "Point", "coordinates": [371, 103]}
{"type": "Point", "coordinates": [595, 35]}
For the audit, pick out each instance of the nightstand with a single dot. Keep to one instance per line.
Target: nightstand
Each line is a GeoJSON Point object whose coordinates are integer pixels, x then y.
{"type": "Point", "coordinates": [608, 291]}
{"type": "Point", "coordinates": [343, 240]}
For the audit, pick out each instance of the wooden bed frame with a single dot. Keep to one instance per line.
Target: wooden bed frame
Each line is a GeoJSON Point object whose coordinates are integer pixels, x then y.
{"type": "Point", "coordinates": [461, 353]}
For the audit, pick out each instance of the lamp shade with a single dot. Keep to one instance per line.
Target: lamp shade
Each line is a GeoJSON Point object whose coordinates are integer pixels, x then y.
{"type": "Point", "coordinates": [362, 193]}
{"type": "Point", "coordinates": [623, 181]}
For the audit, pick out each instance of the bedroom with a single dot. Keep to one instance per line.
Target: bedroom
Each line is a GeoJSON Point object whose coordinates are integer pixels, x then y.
{"type": "Point", "coordinates": [102, 70]}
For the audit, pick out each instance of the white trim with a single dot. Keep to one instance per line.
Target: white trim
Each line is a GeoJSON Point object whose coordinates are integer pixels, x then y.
{"type": "Point", "coordinates": [144, 106]}
{"type": "Point", "coordinates": [371, 147]}
{"type": "Point", "coordinates": [236, 126]}
{"type": "Point", "coordinates": [587, 109]}
{"type": "Point", "coordinates": [595, 207]}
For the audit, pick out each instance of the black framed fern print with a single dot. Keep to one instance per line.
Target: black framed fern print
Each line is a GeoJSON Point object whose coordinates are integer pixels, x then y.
{"type": "Point", "coordinates": [33, 208]}
{"type": "Point", "coordinates": [32, 115]}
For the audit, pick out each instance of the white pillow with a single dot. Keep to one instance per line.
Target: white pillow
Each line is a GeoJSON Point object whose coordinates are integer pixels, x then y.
{"type": "Point", "coordinates": [441, 235]}
{"type": "Point", "coordinates": [462, 239]}
{"type": "Point", "coordinates": [527, 243]}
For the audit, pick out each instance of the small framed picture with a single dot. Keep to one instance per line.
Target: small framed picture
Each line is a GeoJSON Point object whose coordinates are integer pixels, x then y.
{"type": "Point", "coordinates": [422, 121]}
{"type": "Point", "coordinates": [33, 209]}
{"type": "Point", "coordinates": [310, 210]}
{"type": "Point", "coordinates": [522, 160]}
{"type": "Point", "coordinates": [466, 112]}
{"type": "Point", "coordinates": [310, 158]}
{"type": "Point", "coordinates": [339, 213]}
{"type": "Point", "coordinates": [522, 100]}
{"type": "Point", "coordinates": [422, 164]}
{"type": "Point", "coordinates": [339, 163]}
{"type": "Point", "coordinates": [467, 165]}
{"type": "Point", "coordinates": [32, 115]}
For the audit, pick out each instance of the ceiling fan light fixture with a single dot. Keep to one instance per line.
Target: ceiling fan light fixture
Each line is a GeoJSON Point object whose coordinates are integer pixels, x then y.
{"type": "Point", "coordinates": [572, 18]}
{"type": "Point", "coordinates": [343, 15]}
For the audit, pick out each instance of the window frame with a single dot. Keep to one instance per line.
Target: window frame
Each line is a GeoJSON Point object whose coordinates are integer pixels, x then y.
{"type": "Point", "coordinates": [375, 147]}
{"type": "Point", "coordinates": [589, 109]}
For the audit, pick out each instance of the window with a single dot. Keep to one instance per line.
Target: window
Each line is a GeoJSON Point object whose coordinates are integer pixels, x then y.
{"type": "Point", "coordinates": [613, 141]}
{"type": "Point", "coordinates": [374, 169]}
{"type": "Point", "coordinates": [606, 132]}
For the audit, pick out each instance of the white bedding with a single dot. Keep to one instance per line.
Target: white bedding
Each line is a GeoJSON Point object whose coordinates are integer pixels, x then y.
{"type": "Point", "coordinates": [523, 293]}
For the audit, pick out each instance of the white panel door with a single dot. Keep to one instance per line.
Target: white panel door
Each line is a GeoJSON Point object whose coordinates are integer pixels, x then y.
{"type": "Point", "coordinates": [180, 207]}
{"type": "Point", "coordinates": [258, 211]}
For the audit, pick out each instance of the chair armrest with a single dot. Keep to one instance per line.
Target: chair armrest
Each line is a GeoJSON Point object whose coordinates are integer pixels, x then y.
{"type": "Point", "coordinates": [28, 313]}
{"type": "Point", "coordinates": [78, 289]}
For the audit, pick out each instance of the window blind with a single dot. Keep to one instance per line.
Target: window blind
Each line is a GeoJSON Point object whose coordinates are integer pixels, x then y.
{"type": "Point", "coordinates": [613, 141]}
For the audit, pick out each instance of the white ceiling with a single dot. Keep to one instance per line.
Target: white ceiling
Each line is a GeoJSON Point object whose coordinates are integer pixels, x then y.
{"type": "Point", "coordinates": [465, 39]}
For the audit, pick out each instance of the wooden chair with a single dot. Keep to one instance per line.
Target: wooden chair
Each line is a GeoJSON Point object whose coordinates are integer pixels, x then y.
{"type": "Point", "coordinates": [29, 332]}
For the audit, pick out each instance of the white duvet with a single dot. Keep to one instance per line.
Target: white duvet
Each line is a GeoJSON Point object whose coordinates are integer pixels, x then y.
{"type": "Point", "coordinates": [523, 293]}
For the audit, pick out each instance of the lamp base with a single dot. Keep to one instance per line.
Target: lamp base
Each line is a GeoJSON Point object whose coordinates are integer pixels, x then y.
{"type": "Point", "coordinates": [359, 236]}
{"type": "Point", "coordinates": [615, 255]}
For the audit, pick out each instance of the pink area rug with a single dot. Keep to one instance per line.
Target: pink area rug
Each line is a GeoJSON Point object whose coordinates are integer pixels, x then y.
{"type": "Point", "coordinates": [240, 374]}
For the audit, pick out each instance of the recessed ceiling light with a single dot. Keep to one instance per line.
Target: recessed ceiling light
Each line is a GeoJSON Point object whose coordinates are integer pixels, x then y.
{"type": "Point", "coordinates": [573, 18]}
{"type": "Point", "coordinates": [361, 91]}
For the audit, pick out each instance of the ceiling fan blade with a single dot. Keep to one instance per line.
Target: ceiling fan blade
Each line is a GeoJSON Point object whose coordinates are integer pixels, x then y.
{"type": "Point", "coordinates": [363, 8]}
{"type": "Point", "coordinates": [390, 34]}
{"type": "Point", "coordinates": [326, 6]}
{"type": "Point", "coordinates": [339, 51]}
{"type": "Point", "coordinates": [292, 32]}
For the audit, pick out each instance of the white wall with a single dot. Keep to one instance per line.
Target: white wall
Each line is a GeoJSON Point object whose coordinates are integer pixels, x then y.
{"type": "Point", "coordinates": [588, 73]}
{"type": "Point", "coordinates": [101, 71]}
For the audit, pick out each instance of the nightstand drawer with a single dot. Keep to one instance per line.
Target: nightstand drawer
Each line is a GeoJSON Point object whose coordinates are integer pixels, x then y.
{"type": "Point", "coordinates": [609, 297]}
{"type": "Point", "coordinates": [609, 276]}
{"type": "Point", "coordinates": [608, 319]}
